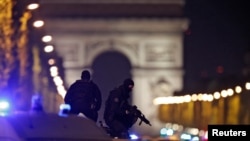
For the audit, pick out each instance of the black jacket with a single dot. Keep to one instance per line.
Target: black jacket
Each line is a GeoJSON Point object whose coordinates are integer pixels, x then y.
{"type": "Point", "coordinates": [84, 94]}
{"type": "Point", "coordinates": [116, 106]}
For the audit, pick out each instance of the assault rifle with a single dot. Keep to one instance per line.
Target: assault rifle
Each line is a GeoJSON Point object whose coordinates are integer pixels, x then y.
{"type": "Point", "coordinates": [137, 113]}
{"type": "Point", "coordinates": [128, 119]}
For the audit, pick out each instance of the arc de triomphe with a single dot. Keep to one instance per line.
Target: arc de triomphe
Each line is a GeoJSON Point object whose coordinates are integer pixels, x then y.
{"type": "Point", "coordinates": [154, 48]}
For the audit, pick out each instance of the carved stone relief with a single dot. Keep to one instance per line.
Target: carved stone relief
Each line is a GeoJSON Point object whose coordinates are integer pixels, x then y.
{"type": "Point", "coordinates": [69, 51]}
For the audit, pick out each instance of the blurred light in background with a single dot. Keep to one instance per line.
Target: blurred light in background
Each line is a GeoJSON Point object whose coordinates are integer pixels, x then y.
{"type": "Point", "coordinates": [185, 136]}
{"type": "Point", "coordinates": [238, 89]}
{"type": "Point", "coordinates": [48, 48]}
{"type": "Point", "coordinates": [4, 107]}
{"type": "Point", "coordinates": [51, 61]}
{"type": "Point", "coordinates": [247, 85]}
{"type": "Point", "coordinates": [47, 38]}
{"type": "Point", "coordinates": [64, 110]}
{"type": "Point", "coordinates": [133, 137]}
{"type": "Point", "coordinates": [195, 138]}
{"type": "Point", "coordinates": [38, 23]}
{"type": "Point", "coordinates": [33, 6]}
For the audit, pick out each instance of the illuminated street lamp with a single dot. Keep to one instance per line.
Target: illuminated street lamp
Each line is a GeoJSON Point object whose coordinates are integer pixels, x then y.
{"type": "Point", "coordinates": [38, 23]}
{"type": "Point", "coordinates": [48, 48]}
{"type": "Point", "coordinates": [33, 6]}
{"type": "Point", "coordinates": [47, 38]}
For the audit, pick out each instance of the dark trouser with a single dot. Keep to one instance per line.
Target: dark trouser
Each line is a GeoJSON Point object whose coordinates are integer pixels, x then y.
{"type": "Point", "coordinates": [117, 129]}
{"type": "Point", "coordinates": [91, 114]}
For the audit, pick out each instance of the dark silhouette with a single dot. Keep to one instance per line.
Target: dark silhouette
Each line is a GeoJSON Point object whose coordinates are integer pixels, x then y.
{"type": "Point", "coordinates": [84, 97]}
{"type": "Point", "coordinates": [117, 114]}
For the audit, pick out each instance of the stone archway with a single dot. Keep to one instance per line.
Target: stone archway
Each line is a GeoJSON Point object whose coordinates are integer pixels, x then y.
{"type": "Point", "coordinates": [109, 69]}
{"type": "Point", "coordinates": [153, 47]}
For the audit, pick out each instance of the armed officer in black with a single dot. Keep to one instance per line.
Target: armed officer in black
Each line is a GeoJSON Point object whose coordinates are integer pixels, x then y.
{"type": "Point", "coordinates": [84, 96]}
{"type": "Point", "coordinates": [116, 114]}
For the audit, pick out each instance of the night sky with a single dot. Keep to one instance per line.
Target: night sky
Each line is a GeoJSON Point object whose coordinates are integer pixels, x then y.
{"type": "Point", "coordinates": [217, 39]}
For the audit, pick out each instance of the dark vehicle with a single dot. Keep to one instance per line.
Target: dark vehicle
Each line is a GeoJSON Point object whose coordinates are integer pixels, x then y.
{"type": "Point", "coordinates": [49, 127]}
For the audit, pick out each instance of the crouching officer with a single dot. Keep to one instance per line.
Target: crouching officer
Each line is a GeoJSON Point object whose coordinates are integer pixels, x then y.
{"type": "Point", "coordinates": [116, 113]}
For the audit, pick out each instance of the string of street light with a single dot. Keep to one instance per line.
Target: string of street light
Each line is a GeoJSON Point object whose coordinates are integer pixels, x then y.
{"type": "Point", "coordinates": [202, 96]}
{"type": "Point", "coordinates": [49, 48]}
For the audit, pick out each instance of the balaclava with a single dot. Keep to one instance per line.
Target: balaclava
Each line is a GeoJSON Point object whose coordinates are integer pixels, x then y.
{"type": "Point", "coordinates": [128, 84]}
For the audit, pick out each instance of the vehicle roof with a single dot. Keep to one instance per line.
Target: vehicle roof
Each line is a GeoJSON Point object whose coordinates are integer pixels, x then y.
{"type": "Point", "coordinates": [50, 126]}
